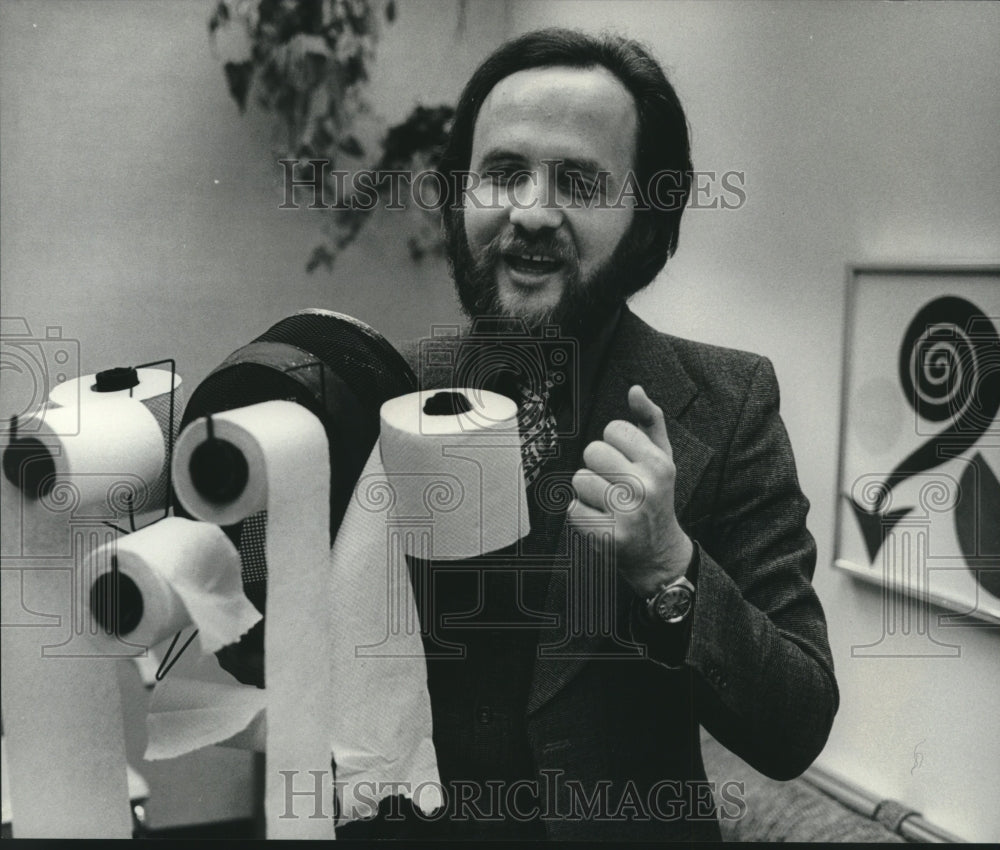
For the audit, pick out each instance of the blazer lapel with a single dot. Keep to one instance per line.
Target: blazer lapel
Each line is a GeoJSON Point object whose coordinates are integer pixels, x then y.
{"type": "Point", "coordinates": [636, 355]}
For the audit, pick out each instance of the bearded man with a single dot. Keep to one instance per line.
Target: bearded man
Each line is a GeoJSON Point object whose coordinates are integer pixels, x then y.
{"type": "Point", "coordinates": [591, 652]}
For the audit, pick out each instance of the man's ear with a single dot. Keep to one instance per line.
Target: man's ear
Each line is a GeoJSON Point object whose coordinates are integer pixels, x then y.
{"type": "Point", "coordinates": [647, 233]}
{"type": "Point", "coordinates": [647, 246]}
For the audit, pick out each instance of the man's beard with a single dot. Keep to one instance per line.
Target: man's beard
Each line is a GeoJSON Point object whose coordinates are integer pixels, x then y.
{"type": "Point", "coordinates": [584, 304]}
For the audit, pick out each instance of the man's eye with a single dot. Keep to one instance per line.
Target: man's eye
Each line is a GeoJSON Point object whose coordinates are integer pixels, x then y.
{"type": "Point", "coordinates": [507, 175]}
{"type": "Point", "coordinates": [575, 181]}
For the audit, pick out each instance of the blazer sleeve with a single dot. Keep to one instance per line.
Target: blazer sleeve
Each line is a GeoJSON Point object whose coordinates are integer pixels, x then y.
{"type": "Point", "coordinates": [757, 646]}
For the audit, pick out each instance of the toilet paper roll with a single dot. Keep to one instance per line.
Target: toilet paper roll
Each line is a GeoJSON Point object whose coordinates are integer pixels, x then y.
{"type": "Point", "coordinates": [444, 481]}
{"type": "Point", "coordinates": [453, 461]}
{"type": "Point", "coordinates": [62, 715]}
{"type": "Point", "coordinates": [383, 733]}
{"type": "Point", "coordinates": [108, 454]}
{"type": "Point", "coordinates": [154, 391]}
{"type": "Point", "coordinates": [170, 575]}
{"type": "Point", "coordinates": [280, 456]}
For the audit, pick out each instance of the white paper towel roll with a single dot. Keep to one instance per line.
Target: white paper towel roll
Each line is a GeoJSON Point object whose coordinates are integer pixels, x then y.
{"type": "Point", "coordinates": [107, 454]}
{"type": "Point", "coordinates": [456, 478]}
{"type": "Point", "coordinates": [180, 572]}
{"type": "Point", "coordinates": [154, 391]}
{"type": "Point", "coordinates": [62, 714]}
{"type": "Point", "coordinates": [288, 475]}
{"type": "Point", "coordinates": [382, 735]}
{"type": "Point", "coordinates": [442, 486]}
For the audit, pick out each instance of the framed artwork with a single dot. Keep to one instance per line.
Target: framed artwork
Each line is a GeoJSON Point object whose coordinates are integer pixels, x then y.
{"type": "Point", "coordinates": [918, 501]}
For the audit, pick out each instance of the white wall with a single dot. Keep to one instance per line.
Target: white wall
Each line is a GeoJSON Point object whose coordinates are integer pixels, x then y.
{"type": "Point", "coordinates": [867, 132]}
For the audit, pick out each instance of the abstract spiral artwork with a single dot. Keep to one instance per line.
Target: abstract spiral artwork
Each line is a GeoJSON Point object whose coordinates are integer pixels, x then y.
{"type": "Point", "coordinates": [919, 485]}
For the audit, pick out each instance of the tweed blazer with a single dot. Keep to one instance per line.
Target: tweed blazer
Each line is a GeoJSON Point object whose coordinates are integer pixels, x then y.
{"type": "Point", "coordinates": [614, 732]}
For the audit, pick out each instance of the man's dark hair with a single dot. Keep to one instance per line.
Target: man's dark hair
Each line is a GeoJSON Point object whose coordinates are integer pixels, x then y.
{"type": "Point", "coordinates": [662, 143]}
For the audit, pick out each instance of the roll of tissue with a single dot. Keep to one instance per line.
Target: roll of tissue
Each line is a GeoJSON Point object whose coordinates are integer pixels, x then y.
{"type": "Point", "coordinates": [169, 575]}
{"type": "Point", "coordinates": [153, 389]}
{"type": "Point", "coordinates": [110, 454]}
{"type": "Point", "coordinates": [274, 456]}
{"type": "Point", "coordinates": [452, 458]}
{"type": "Point", "coordinates": [62, 710]}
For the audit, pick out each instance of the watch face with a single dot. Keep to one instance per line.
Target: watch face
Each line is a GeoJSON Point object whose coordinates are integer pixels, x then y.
{"type": "Point", "coordinates": [674, 604]}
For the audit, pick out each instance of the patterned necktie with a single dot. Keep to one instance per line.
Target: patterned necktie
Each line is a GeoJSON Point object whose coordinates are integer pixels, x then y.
{"type": "Point", "coordinates": [538, 430]}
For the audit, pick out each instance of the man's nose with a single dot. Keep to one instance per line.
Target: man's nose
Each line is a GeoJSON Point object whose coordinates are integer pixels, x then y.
{"type": "Point", "coordinates": [533, 208]}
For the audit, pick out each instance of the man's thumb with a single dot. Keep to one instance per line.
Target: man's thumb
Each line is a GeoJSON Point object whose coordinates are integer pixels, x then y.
{"type": "Point", "coordinates": [648, 417]}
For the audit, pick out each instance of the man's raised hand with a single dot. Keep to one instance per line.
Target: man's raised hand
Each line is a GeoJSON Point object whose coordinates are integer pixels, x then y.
{"type": "Point", "coordinates": [650, 545]}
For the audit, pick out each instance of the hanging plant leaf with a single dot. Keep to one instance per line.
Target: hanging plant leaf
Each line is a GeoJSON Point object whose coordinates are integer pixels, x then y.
{"type": "Point", "coordinates": [238, 76]}
{"type": "Point", "coordinates": [219, 17]}
{"type": "Point", "coordinates": [415, 248]}
{"type": "Point", "coordinates": [322, 139]}
{"type": "Point", "coordinates": [351, 146]}
{"type": "Point", "coordinates": [309, 67]}
{"type": "Point", "coordinates": [424, 130]}
{"type": "Point", "coordinates": [321, 256]}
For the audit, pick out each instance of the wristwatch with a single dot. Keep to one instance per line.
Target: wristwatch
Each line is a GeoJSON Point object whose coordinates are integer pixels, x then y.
{"type": "Point", "coordinates": [672, 602]}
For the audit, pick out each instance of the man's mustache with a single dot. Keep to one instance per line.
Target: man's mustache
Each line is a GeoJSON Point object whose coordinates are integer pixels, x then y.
{"type": "Point", "coordinates": [548, 245]}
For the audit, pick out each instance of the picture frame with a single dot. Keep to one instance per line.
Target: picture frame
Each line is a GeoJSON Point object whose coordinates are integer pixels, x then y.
{"type": "Point", "coordinates": [918, 484]}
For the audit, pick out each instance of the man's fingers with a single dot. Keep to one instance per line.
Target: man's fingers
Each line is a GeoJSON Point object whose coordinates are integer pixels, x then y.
{"type": "Point", "coordinates": [605, 459]}
{"type": "Point", "coordinates": [580, 512]}
{"type": "Point", "coordinates": [649, 418]}
{"type": "Point", "coordinates": [590, 489]}
{"type": "Point", "coordinates": [632, 442]}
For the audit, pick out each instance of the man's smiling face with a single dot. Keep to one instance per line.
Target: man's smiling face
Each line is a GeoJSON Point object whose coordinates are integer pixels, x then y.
{"type": "Point", "coordinates": [537, 247]}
